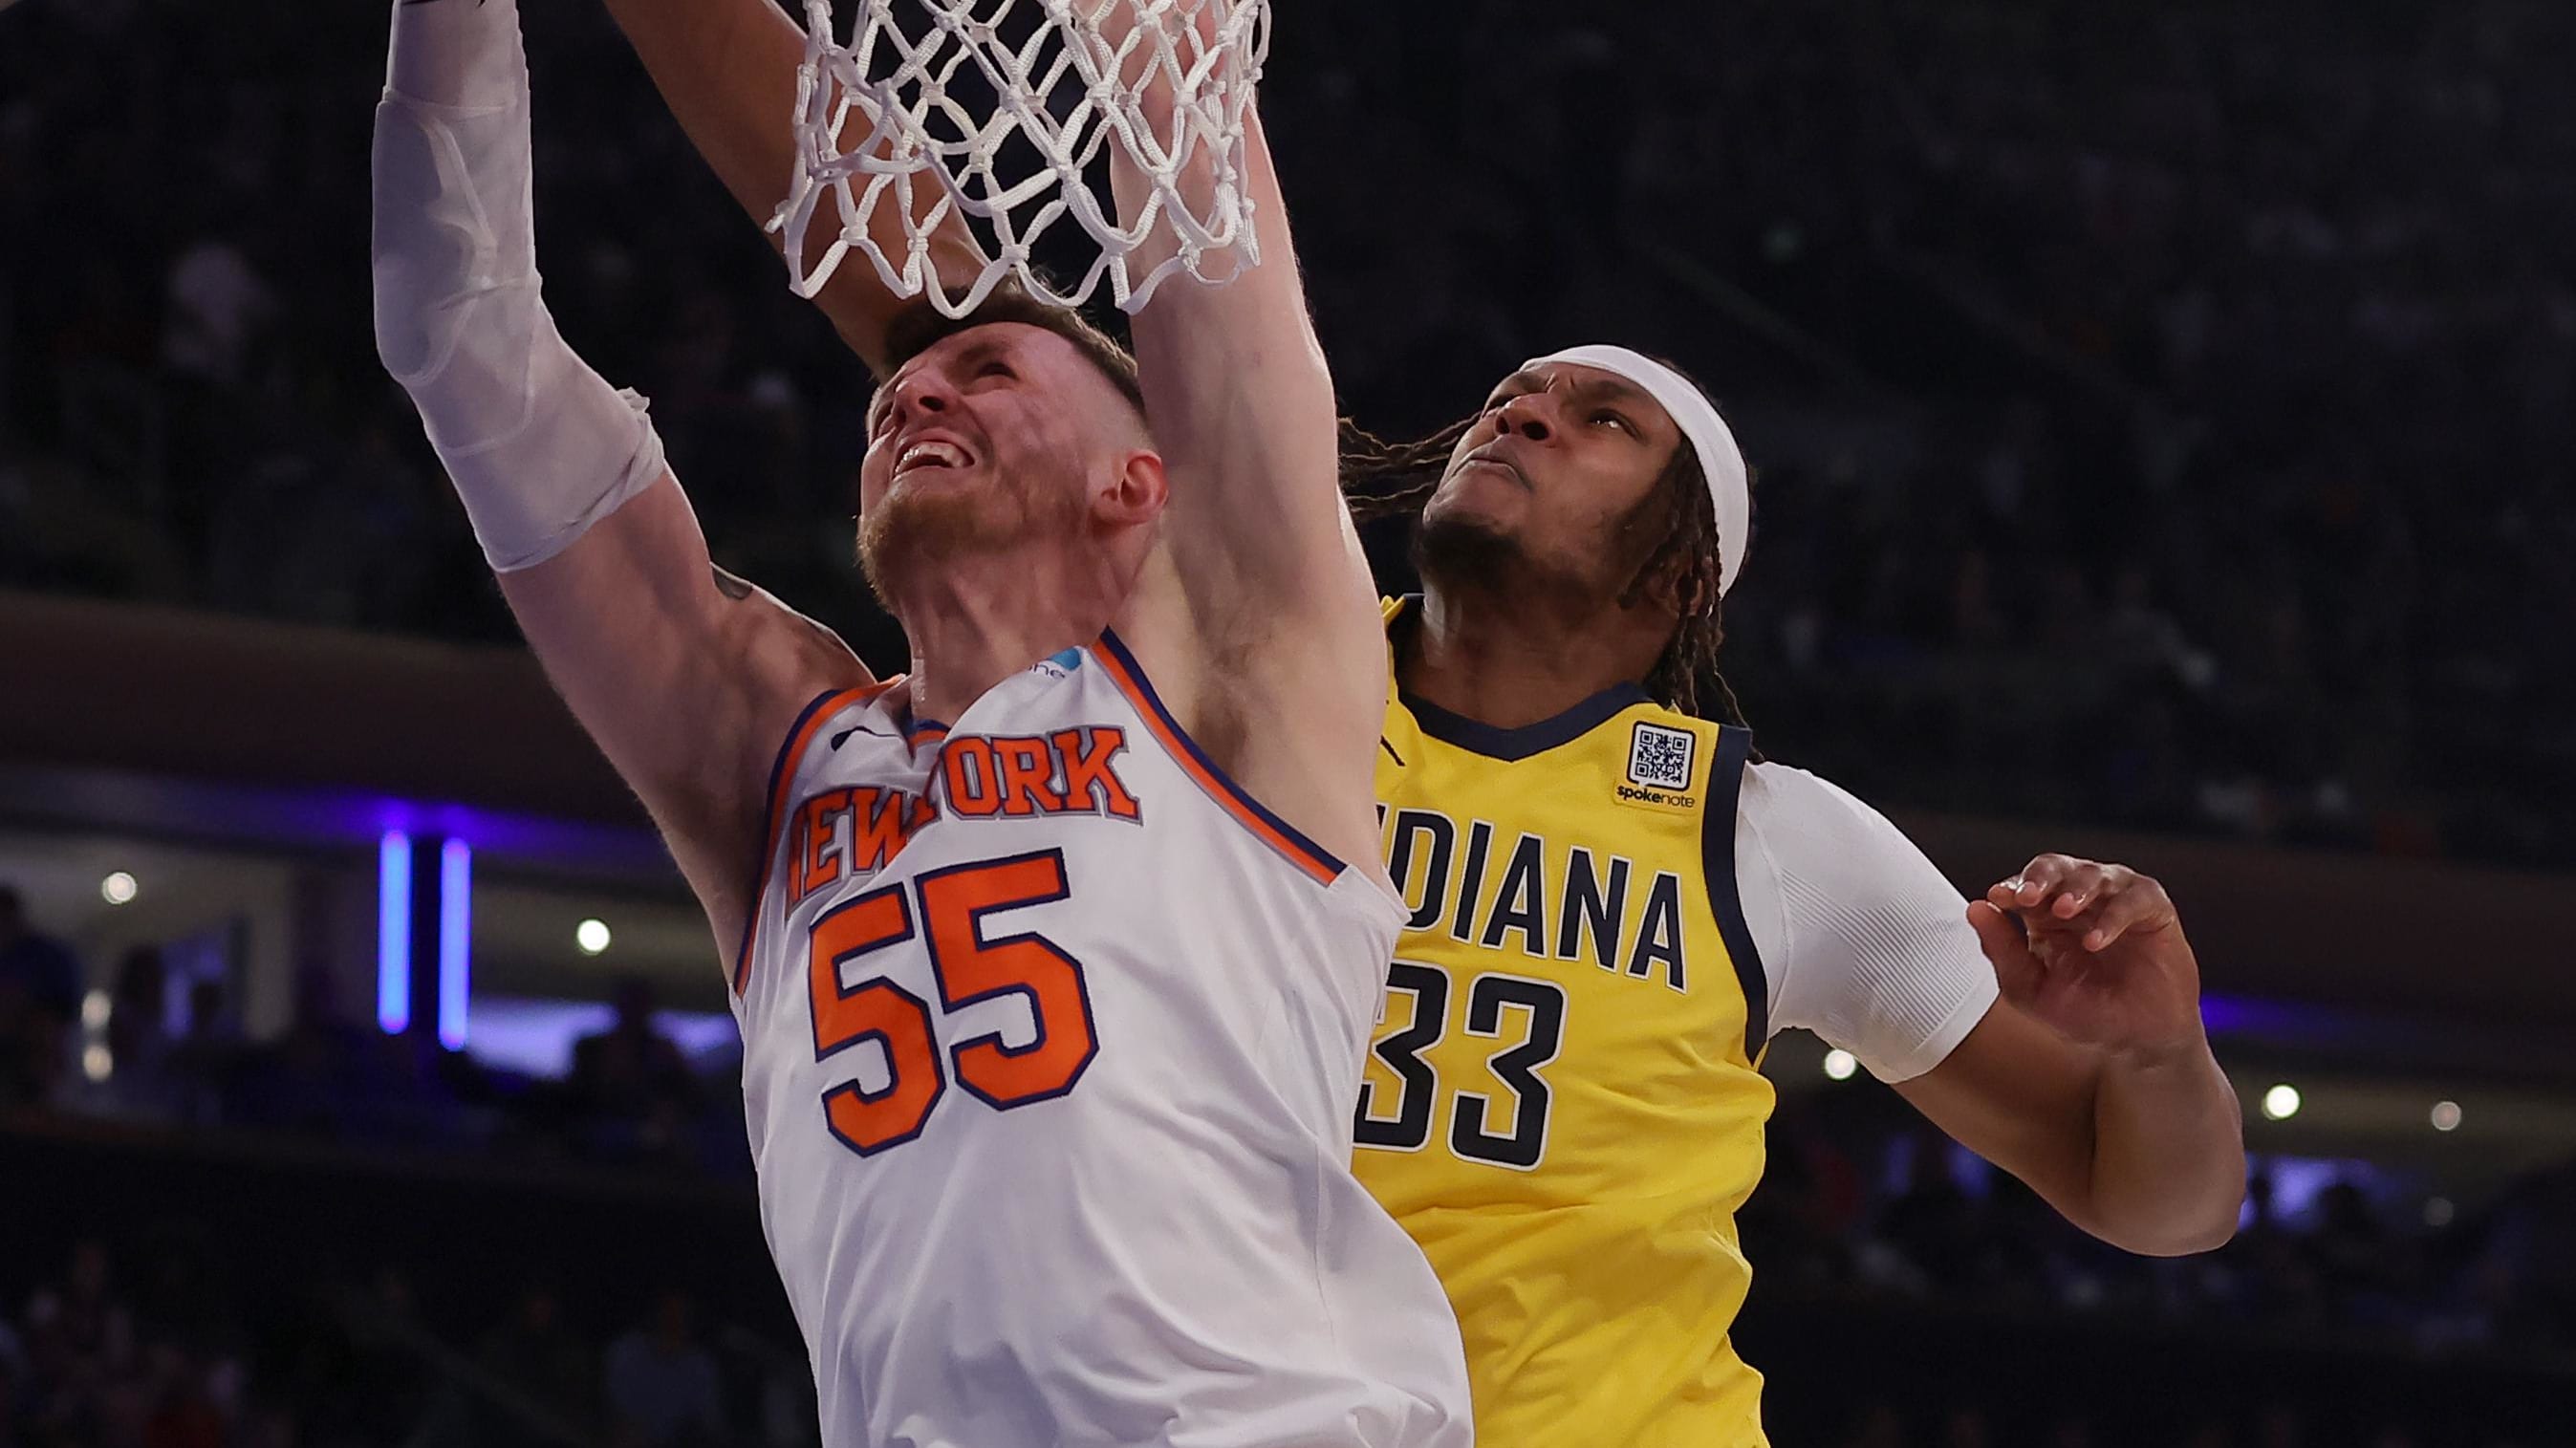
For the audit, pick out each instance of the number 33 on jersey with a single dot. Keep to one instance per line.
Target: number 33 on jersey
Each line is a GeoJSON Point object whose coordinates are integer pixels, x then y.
{"type": "Point", "coordinates": [1560, 1101]}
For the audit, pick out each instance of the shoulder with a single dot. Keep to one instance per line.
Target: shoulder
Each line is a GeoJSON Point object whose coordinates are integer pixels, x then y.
{"type": "Point", "coordinates": [1819, 869]}
{"type": "Point", "coordinates": [1290, 719]}
{"type": "Point", "coordinates": [1836, 867]}
{"type": "Point", "coordinates": [1873, 947]}
{"type": "Point", "coordinates": [1800, 815]}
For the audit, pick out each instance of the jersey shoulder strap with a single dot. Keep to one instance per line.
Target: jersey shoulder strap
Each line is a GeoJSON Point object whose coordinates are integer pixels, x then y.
{"type": "Point", "coordinates": [1719, 811]}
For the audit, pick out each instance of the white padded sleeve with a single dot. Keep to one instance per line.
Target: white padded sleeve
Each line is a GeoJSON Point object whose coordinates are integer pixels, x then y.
{"type": "Point", "coordinates": [539, 446]}
{"type": "Point", "coordinates": [1862, 939]}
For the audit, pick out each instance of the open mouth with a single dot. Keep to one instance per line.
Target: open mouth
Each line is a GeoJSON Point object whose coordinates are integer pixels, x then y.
{"type": "Point", "coordinates": [930, 452]}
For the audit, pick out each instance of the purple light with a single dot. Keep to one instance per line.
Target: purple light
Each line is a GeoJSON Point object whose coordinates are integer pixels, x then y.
{"type": "Point", "coordinates": [393, 932]}
{"type": "Point", "coordinates": [455, 924]}
{"type": "Point", "coordinates": [231, 814]}
{"type": "Point", "coordinates": [2226, 1015]}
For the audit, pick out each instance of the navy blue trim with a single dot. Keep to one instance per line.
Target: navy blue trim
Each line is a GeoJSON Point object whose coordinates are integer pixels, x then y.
{"type": "Point", "coordinates": [1510, 745]}
{"type": "Point", "coordinates": [1109, 640]}
{"type": "Point", "coordinates": [1717, 854]}
{"type": "Point", "coordinates": [769, 832]}
{"type": "Point", "coordinates": [1494, 742]}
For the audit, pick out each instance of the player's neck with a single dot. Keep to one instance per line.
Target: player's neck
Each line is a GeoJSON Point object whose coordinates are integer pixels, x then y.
{"type": "Point", "coordinates": [1510, 667]}
{"type": "Point", "coordinates": [976, 622]}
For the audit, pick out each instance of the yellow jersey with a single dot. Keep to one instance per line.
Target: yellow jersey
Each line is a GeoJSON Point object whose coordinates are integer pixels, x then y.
{"type": "Point", "coordinates": [1561, 1101]}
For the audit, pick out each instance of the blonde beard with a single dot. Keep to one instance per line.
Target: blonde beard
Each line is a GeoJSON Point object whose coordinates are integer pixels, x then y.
{"type": "Point", "coordinates": [913, 530]}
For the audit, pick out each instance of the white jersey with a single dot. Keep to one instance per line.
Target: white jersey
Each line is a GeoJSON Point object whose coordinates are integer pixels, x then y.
{"type": "Point", "coordinates": [1051, 1036]}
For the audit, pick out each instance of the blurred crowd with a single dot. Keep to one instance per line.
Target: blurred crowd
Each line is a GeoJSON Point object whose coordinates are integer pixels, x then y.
{"type": "Point", "coordinates": [1861, 1206]}
{"type": "Point", "coordinates": [2231, 479]}
{"type": "Point", "coordinates": [2160, 408]}
{"type": "Point", "coordinates": [165, 1337]}
{"type": "Point", "coordinates": [2162, 418]}
{"type": "Point", "coordinates": [169, 1356]}
{"type": "Point", "coordinates": [129, 1052]}
{"type": "Point", "coordinates": [1897, 1212]}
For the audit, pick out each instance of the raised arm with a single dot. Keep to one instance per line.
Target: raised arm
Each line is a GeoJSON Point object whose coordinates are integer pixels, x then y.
{"type": "Point", "coordinates": [687, 678]}
{"type": "Point", "coordinates": [1241, 407]}
{"type": "Point", "coordinates": [1237, 394]}
{"type": "Point", "coordinates": [1236, 387]}
{"type": "Point", "coordinates": [727, 69]}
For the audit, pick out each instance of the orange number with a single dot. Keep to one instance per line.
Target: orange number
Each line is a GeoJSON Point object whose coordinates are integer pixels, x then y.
{"type": "Point", "coordinates": [969, 968]}
{"type": "Point", "coordinates": [881, 1010]}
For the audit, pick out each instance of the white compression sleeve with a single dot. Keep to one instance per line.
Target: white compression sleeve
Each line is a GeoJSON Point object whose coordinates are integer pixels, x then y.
{"type": "Point", "coordinates": [539, 446]}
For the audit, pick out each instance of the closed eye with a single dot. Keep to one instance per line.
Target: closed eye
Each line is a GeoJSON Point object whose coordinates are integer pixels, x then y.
{"type": "Point", "coordinates": [996, 368]}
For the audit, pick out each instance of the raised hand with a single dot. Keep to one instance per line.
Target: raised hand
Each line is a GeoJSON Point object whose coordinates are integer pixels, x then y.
{"type": "Point", "coordinates": [2096, 951]}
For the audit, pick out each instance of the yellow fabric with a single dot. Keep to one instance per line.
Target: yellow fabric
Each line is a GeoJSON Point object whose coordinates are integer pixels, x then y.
{"type": "Point", "coordinates": [1589, 1247]}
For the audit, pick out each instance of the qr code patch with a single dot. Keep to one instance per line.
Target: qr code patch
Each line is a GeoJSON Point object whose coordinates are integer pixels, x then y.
{"type": "Point", "coordinates": [1659, 757]}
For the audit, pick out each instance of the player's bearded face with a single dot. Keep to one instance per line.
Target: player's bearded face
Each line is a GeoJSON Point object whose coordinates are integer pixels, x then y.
{"type": "Point", "coordinates": [936, 518]}
{"type": "Point", "coordinates": [1553, 492]}
{"type": "Point", "coordinates": [981, 446]}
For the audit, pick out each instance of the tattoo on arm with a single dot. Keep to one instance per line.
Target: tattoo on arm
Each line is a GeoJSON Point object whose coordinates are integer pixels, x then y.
{"type": "Point", "coordinates": [730, 586]}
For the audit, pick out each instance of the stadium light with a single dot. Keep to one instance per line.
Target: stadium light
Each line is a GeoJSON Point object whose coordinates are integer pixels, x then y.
{"type": "Point", "coordinates": [95, 1007]}
{"type": "Point", "coordinates": [2281, 1102]}
{"type": "Point", "coordinates": [393, 932]}
{"type": "Point", "coordinates": [1841, 1065]}
{"type": "Point", "coordinates": [2446, 1116]}
{"type": "Point", "coordinates": [118, 888]}
{"type": "Point", "coordinates": [592, 936]}
{"type": "Point", "coordinates": [97, 1063]}
{"type": "Point", "coordinates": [2439, 1211]}
{"type": "Point", "coordinates": [455, 926]}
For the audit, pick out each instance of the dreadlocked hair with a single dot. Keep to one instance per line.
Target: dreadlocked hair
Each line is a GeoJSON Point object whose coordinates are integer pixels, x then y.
{"type": "Point", "coordinates": [1686, 679]}
{"type": "Point", "coordinates": [1382, 479]}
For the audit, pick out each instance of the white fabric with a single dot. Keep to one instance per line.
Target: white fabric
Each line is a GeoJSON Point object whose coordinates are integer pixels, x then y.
{"type": "Point", "coordinates": [1862, 939]}
{"type": "Point", "coordinates": [539, 446]}
{"type": "Point", "coordinates": [1069, 79]}
{"type": "Point", "coordinates": [1172, 1250]}
{"type": "Point", "coordinates": [1730, 489]}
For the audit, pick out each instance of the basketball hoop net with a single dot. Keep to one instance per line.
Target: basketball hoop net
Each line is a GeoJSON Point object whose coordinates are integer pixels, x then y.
{"type": "Point", "coordinates": [1071, 79]}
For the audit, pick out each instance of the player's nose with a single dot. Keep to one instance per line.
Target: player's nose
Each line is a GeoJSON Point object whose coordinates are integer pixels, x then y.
{"type": "Point", "coordinates": [922, 392]}
{"type": "Point", "coordinates": [1526, 415]}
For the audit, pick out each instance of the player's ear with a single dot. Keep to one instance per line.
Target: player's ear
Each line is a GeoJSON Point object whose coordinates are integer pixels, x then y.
{"type": "Point", "coordinates": [1137, 491]}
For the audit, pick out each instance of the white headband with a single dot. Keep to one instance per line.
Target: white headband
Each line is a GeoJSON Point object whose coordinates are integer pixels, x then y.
{"type": "Point", "coordinates": [1709, 436]}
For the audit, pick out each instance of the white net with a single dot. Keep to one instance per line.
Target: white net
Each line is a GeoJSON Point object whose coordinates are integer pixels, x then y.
{"type": "Point", "coordinates": [991, 120]}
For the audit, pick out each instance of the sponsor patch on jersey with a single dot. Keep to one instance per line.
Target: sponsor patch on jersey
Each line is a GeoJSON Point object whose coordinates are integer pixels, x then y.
{"type": "Point", "coordinates": [1659, 767]}
{"type": "Point", "coordinates": [1659, 756]}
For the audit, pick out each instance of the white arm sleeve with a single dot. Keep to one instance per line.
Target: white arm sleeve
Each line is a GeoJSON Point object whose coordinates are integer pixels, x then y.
{"type": "Point", "coordinates": [1862, 940]}
{"type": "Point", "coordinates": [539, 446]}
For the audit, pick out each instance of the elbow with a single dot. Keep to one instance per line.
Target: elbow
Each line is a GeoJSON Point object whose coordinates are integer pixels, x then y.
{"type": "Point", "coordinates": [2183, 1221]}
{"type": "Point", "coordinates": [2167, 1236]}
{"type": "Point", "coordinates": [2186, 1238]}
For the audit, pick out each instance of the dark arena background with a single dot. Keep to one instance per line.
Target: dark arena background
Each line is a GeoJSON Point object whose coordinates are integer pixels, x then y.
{"type": "Point", "coordinates": [2166, 424]}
